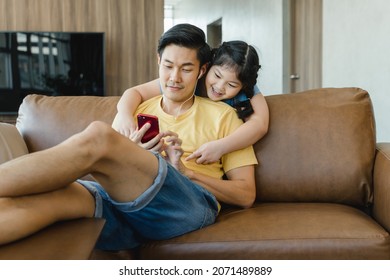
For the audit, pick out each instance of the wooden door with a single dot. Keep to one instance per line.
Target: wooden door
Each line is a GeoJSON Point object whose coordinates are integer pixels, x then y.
{"type": "Point", "coordinates": [306, 45]}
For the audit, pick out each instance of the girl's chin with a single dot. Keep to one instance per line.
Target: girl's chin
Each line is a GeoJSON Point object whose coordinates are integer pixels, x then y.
{"type": "Point", "coordinates": [214, 99]}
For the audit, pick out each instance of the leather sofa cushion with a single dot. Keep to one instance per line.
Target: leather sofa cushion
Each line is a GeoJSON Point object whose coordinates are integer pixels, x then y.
{"type": "Point", "coordinates": [45, 121]}
{"type": "Point", "coordinates": [320, 147]}
{"type": "Point", "coordinates": [280, 231]}
{"type": "Point", "coordinates": [381, 208]}
{"type": "Point", "coordinates": [11, 143]}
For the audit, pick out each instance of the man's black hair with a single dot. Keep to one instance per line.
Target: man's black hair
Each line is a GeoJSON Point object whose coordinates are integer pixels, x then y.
{"type": "Point", "coordinates": [189, 36]}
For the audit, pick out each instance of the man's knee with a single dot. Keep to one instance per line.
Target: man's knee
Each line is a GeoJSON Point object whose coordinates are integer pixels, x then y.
{"type": "Point", "coordinates": [92, 142]}
{"type": "Point", "coordinates": [98, 129]}
{"type": "Point", "coordinates": [101, 137]}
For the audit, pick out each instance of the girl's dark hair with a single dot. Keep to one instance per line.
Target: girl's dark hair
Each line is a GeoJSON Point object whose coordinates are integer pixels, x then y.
{"type": "Point", "coordinates": [242, 58]}
{"type": "Point", "coordinates": [189, 36]}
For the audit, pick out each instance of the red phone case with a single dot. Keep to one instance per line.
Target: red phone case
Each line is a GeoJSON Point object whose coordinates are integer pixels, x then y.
{"type": "Point", "coordinates": [154, 127]}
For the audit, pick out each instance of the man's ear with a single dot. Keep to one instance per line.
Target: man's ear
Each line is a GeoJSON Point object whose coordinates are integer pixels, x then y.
{"type": "Point", "coordinates": [202, 71]}
{"type": "Point", "coordinates": [158, 59]}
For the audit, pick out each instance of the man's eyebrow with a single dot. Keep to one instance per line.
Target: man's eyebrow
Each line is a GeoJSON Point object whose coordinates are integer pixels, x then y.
{"type": "Point", "coordinates": [184, 64]}
{"type": "Point", "coordinates": [188, 64]}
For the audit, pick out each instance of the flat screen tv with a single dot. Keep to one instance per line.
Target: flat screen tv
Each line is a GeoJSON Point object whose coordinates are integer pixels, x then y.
{"type": "Point", "coordinates": [49, 63]}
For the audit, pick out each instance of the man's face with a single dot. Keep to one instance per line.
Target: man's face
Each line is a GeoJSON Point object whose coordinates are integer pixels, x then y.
{"type": "Point", "coordinates": [178, 70]}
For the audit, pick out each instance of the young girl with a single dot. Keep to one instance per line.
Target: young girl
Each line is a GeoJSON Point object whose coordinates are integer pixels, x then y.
{"type": "Point", "coordinates": [232, 79]}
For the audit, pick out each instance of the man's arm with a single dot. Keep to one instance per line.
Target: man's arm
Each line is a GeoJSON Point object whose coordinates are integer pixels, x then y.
{"type": "Point", "coordinates": [238, 190]}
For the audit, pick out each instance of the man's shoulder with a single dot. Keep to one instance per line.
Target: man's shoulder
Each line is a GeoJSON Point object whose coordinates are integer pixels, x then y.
{"type": "Point", "coordinates": [215, 105]}
{"type": "Point", "coordinates": [154, 101]}
{"type": "Point", "coordinates": [221, 114]}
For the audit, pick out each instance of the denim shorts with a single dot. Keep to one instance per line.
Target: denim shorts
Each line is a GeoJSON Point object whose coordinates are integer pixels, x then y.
{"type": "Point", "coordinates": [171, 206]}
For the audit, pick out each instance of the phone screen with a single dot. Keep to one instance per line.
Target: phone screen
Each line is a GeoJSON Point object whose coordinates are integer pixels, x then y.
{"type": "Point", "coordinates": [152, 132]}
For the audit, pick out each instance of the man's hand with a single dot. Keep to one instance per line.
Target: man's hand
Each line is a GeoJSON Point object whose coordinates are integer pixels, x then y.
{"type": "Point", "coordinates": [174, 151]}
{"type": "Point", "coordinates": [156, 144]}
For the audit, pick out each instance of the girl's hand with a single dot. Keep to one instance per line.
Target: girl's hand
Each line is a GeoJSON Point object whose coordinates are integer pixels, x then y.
{"type": "Point", "coordinates": [207, 153]}
{"type": "Point", "coordinates": [124, 124]}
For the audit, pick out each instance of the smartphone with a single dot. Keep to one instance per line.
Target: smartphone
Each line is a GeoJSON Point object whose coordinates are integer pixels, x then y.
{"type": "Point", "coordinates": [154, 127]}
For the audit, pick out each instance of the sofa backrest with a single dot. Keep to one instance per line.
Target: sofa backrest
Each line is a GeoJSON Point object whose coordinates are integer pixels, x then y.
{"type": "Point", "coordinates": [11, 143]}
{"type": "Point", "coordinates": [45, 121]}
{"type": "Point", "coordinates": [320, 146]}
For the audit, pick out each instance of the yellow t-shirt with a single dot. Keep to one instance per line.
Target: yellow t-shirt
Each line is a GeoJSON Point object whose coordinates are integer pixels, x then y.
{"type": "Point", "coordinates": [205, 121]}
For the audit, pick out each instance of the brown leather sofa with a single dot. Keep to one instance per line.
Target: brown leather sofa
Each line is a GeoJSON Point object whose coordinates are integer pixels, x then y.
{"type": "Point", "coordinates": [323, 183]}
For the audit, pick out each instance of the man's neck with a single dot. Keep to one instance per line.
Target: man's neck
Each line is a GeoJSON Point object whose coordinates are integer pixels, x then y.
{"type": "Point", "coordinates": [176, 108]}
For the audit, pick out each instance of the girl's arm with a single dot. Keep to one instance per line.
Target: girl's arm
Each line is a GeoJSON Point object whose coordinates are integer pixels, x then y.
{"type": "Point", "coordinates": [124, 120]}
{"type": "Point", "coordinates": [255, 127]}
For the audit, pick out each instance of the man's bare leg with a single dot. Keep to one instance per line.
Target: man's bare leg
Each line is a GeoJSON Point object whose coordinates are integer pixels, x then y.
{"type": "Point", "coordinates": [42, 183]}
{"type": "Point", "coordinates": [22, 216]}
{"type": "Point", "coordinates": [122, 167]}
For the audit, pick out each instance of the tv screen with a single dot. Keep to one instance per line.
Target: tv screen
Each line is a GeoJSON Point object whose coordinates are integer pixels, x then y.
{"type": "Point", "coordinates": [49, 63]}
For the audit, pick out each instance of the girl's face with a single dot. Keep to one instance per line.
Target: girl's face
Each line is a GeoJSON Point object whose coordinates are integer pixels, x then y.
{"type": "Point", "coordinates": [222, 83]}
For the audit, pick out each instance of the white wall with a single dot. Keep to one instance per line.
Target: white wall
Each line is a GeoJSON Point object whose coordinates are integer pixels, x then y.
{"type": "Point", "coordinates": [356, 43]}
{"type": "Point", "coordinates": [258, 22]}
{"type": "Point", "coordinates": [356, 46]}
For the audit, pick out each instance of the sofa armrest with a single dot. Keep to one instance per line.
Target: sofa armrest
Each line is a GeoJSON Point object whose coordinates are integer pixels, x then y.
{"type": "Point", "coordinates": [12, 144]}
{"type": "Point", "coordinates": [381, 209]}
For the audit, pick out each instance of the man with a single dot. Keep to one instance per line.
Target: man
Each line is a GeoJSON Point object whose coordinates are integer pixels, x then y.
{"type": "Point", "coordinates": [141, 194]}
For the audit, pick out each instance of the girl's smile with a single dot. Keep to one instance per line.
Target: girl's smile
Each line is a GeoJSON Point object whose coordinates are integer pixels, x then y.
{"type": "Point", "coordinates": [222, 83]}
